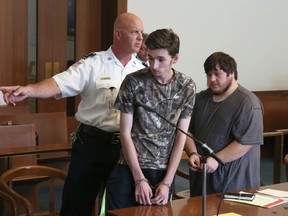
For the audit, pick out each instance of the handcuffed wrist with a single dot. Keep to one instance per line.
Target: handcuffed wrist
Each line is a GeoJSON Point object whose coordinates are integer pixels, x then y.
{"type": "Point", "coordinates": [194, 153]}
{"type": "Point", "coordinates": [164, 183]}
{"type": "Point", "coordinates": [141, 180]}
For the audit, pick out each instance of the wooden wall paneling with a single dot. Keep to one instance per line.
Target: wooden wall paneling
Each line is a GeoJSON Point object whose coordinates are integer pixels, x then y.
{"type": "Point", "coordinates": [87, 37]}
{"type": "Point", "coordinates": [52, 16]}
{"type": "Point", "coordinates": [275, 109]}
{"type": "Point", "coordinates": [13, 42]}
{"type": "Point", "coordinates": [88, 27]}
{"type": "Point", "coordinates": [121, 6]}
{"type": "Point", "coordinates": [3, 43]}
{"type": "Point", "coordinates": [19, 43]}
{"type": "Point", "coordinates": [110, 11]}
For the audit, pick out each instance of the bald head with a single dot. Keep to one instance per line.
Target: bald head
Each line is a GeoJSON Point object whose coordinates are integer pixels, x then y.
{"type": "Point", "coordinates": [127, 36]}
{"type": "Point", "coordinates": [126, 19]}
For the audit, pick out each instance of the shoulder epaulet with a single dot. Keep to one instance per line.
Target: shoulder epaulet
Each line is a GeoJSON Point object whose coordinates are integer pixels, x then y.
{"type": "Point", "coordinates": [89, 55]}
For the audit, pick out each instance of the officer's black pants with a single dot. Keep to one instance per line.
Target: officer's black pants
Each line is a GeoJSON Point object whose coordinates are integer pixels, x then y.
{"type": "Point", "coordinates": [92, 160]}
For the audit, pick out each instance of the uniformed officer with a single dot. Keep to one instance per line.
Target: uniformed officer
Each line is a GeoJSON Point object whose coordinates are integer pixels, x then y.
{"type": "Point", "coordinates": [97, 78]}
{"type": "Point", "coordinates": [142, 55]}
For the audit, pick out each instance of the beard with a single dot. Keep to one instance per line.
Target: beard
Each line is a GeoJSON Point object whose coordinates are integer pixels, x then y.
{"type": "Point", "coordinates": [225, 89]}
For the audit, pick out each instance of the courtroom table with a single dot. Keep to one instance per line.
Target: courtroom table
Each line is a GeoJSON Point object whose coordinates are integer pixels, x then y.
{"type": "Point", "coordinates": [28, 150]}
{"type": "Point", "coordinates": [18, 151]}
{"type": "Point", "coordinates": [193, 207]}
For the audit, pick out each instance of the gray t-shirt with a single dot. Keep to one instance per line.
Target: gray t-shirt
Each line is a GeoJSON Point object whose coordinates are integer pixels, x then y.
{"type": "Point", "coordinates": [141, 95]}
{"type": "Point", "coordinates": [239, 117]}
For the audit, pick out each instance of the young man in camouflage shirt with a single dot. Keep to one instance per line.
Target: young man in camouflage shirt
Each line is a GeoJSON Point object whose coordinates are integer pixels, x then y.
{"type": "Point", "coordinates": [150, 100]}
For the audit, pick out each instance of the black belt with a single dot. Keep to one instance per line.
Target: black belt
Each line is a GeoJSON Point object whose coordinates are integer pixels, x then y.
{"type": "Point", "coordinates": [94, 131]}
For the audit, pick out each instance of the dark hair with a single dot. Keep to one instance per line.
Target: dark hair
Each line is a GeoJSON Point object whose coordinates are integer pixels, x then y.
{"type": "Point", "coordinates": [164, 38]}
{"type": "Point", "coordinates": [226, 63]}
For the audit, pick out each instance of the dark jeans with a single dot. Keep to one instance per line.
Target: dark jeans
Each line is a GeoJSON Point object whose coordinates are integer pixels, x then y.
{"type": "Point", "coordinates": [93, 158]}
{"type": "Point", "coordinates": [120, 190]}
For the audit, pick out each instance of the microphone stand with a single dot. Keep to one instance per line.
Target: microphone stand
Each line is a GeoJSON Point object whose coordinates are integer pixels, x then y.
{"type": "Point", "coordinates": [203, 159]}
{"type": "Point", "coordinates": [207, 151]}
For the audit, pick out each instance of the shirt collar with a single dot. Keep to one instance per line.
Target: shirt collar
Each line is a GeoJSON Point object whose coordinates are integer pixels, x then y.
{"type": "Point", "coordinates": [110, 57]}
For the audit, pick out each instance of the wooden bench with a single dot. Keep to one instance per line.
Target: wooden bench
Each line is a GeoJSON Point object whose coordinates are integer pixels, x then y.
{"type": "Point", "coordinates": [19, 136]}
{"type": "Point", "coordinates": [285, 150]}
{"type": "Point", "coordinates": [277, 137]}
{"type": "Point", "coordinates": [285, 140]}
{"type": "Point", "coordinates": [14, 109]}
{"type": "Point", "coordinates": [51, 128]}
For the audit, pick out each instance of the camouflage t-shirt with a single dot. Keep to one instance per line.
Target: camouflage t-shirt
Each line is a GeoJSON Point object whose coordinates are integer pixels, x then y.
{"type": "Point", "coordinates": [151, 103]}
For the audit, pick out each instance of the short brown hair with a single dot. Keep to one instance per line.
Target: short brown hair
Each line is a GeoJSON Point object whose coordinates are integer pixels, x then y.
{"type": "Point", "coordinates": [164, 38]}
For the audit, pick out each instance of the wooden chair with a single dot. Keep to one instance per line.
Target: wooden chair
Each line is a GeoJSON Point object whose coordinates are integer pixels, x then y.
{"type": "Point", "coordinates": [24, 205]}
{"type": "Point", "coordinates": [8, 205]}
{"type": "Point", "coordinates": [19, 136]}
{"type": "Point", "coordinates": [51, 128]}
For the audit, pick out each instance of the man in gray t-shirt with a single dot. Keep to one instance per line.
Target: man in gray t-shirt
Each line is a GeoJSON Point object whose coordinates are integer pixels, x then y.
{"type": "Point", "coordinates": [229, 119]}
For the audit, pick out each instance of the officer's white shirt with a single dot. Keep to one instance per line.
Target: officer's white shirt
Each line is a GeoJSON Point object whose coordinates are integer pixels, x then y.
{"type": "Point", "coordinates": [97, 79]}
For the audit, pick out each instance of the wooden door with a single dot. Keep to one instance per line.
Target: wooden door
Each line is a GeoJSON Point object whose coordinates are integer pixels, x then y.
{"type": "Point", "coordinates": [52, 19]}
{"type": "Point", "coordinates": [93, 32]}
{"type": "Point", "coordinates": [13, 42]}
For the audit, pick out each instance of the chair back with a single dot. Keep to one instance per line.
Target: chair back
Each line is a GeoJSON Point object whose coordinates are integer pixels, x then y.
{"type": "Point", "coordinates": [8, 205]}
{"type": "Point", "coordinates": [50, 174]}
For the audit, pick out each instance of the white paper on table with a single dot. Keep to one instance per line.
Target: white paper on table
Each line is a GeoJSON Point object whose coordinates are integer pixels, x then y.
{"type": "Point", "coordinates": [276, 193]}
